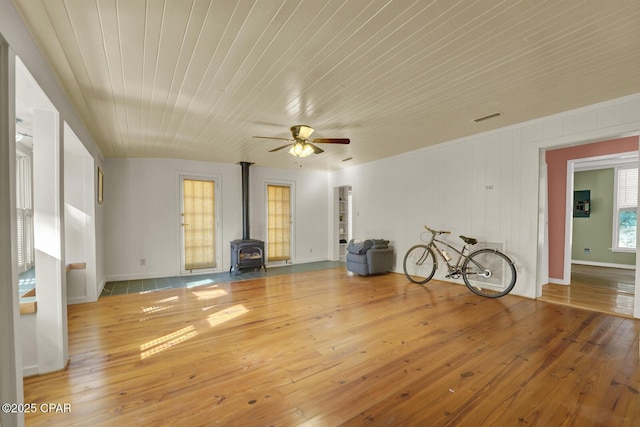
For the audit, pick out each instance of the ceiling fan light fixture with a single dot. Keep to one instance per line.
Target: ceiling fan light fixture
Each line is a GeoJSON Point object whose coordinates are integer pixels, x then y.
{"type": "Point", "coordinates": [301, 149]}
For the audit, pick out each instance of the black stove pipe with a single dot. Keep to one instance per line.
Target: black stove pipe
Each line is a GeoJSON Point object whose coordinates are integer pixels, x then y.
{"type": "Point", "coordinates": [245, 199]}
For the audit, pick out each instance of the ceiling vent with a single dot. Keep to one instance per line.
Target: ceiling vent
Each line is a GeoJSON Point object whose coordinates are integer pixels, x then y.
{"type": "Point", "coordinates": [487, 117]}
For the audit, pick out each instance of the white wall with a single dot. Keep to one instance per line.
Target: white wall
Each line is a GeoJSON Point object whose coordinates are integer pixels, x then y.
{"type": "Point", "coordinates": [75, 216]}
{"type": "Point", "coordinates": [80, 212]}
{"type": "Point", "coordinates": [469, 188]}
{"type": "Point", "coordinates": [310, 204]}
{"type": "Point", "coordinates": [76, 225]}
{"type": "Point", "coordinates": [142, 212]}
{"type": "Point", "coordinates": [485, 186]}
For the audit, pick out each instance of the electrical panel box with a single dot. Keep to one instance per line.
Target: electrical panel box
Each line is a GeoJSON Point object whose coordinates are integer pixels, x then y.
{"type": "Point", "coordinates": [581, 203]}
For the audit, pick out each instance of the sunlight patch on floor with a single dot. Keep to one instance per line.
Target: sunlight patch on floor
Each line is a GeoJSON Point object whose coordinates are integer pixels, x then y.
{"type": "Point", "coordinates": [210, 293]}
{"type": "Point", "coordinates": [160, 305]}
{"type": "Point", "coordinates": [156, 308]}
{"type": "Point", "coordinates": [226, 314]}
{"type": "Point", "coordinates": [167, 341]}
{"type": "Point", "coordinates": [165, 300]}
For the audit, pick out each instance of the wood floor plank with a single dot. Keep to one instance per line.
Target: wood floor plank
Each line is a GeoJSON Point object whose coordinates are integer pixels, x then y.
{"type": "Point", "coordinates": [604, 289]}
{"type": "Point", "coordinates": [330, 348]}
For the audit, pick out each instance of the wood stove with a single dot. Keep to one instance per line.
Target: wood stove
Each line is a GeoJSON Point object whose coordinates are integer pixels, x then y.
{"type": "Point", "coordinates": [246, 252]}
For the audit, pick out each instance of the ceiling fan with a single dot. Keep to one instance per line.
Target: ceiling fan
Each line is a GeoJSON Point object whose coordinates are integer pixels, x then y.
{"type": "Point", "coordinates": [300, 143]}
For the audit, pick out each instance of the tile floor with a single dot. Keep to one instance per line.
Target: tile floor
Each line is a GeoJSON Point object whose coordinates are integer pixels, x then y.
{"type": "Point", "coordinates": [150, 285]}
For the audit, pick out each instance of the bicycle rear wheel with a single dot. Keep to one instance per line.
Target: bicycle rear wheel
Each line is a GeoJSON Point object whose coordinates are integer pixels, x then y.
{"type": "Point", "coordinates": [419, 264]}
{"type": "Point", "coordinates": [489, 273]}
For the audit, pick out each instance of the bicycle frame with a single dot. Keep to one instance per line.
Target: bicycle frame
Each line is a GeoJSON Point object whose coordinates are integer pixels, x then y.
{"type": "Point", "coordinates": [461, 253]}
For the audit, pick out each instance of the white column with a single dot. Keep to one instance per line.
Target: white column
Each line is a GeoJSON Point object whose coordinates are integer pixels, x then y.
{"type": "Point", "coordinates": [48, 241]}
{"type": "Point", "coordinates": [10, 356]}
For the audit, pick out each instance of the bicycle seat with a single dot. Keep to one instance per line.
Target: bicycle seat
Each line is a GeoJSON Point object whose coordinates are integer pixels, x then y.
{"type": "Point", "coordinates": [469, 240]}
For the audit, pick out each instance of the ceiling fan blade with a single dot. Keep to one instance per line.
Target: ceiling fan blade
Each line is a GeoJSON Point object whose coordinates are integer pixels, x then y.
{"type": "Point", "coordinates": [273, 137]}
{"type": "Point", "coordinates": [316, 150]}
{"type": "Point", "coordinates": [331, 140]}
{"type": "Point", "coordinates": [279, 148]}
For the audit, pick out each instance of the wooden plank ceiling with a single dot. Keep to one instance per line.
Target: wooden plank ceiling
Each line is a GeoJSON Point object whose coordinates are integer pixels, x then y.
{"type": "Point", "coordinates": [197, 79]}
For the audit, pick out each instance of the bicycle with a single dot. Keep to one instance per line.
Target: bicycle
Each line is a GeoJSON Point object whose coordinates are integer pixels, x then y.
{"type": "Point", "coordinates": [486, 272]}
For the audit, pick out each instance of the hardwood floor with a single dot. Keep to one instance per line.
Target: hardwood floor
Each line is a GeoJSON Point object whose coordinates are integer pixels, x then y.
{"type": "Point", "coordinates": [607, 290]}
{"type": "Point", "coordinates": [328, 348]}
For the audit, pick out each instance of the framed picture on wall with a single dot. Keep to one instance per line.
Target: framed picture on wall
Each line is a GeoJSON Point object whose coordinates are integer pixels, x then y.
{"type": "Point", "coordinates": [100, 186]}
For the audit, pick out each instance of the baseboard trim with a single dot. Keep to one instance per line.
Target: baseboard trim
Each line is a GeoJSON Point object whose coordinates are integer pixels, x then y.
{"type": "Point", "coordinates": [604, 264]}
{"type": "Point", "coordinates": [77, 300]}
{"type": "Point", "coordinates": [29, 371]}
{"type": "Point", "coordinates": [299, 262]}
{"type": "Point", "coordinates": [141, 276]}
{"type": "Point", "coordinates": [559, 281]}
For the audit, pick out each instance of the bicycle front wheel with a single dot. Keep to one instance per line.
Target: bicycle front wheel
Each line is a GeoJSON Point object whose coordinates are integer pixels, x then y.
{"type": "Point", "coordinates": [419, 264]}
{"type": "Point", "coordinates": [489, 273]}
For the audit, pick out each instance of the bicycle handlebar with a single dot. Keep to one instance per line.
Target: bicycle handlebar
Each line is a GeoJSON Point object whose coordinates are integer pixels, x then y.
{"type": "Point", "coordinates": [434, 232]}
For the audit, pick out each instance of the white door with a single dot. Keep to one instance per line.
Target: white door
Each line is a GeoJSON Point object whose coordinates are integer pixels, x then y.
{"type": "Point", "coordinates": [279, 222]}
{"type": "Point", "coordinates": [198, 224]}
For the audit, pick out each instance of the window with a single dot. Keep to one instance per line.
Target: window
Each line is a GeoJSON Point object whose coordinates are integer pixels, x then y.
{"type": "Point", "coordinates": [24, 214]}
{"type": "Point", "coordinates": [278, 222]}
{"type": "Point", "coordinates": [625, 210]}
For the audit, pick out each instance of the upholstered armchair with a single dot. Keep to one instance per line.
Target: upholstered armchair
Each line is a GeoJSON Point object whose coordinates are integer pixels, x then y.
{"type": "Point", "coordinates": [369, 256]}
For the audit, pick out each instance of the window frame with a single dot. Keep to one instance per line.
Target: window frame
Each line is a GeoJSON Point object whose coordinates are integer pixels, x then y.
{"type": "Point", "coordinates": [616, 210]}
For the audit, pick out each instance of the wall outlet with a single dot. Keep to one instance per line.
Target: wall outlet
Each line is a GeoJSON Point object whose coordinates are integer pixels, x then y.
{"type": "Point", "coordinates": [143, 261]}
{"type": "Point", "coordinates": [586, 251]}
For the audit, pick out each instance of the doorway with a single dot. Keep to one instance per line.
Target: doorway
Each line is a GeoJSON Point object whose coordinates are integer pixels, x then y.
{"type": "Point", "coordinates": [567, 280]}
{"type": "Point", "coordinates": [344, 209]}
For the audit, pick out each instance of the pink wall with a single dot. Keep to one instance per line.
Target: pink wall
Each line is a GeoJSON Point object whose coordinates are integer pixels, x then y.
{"type": "Point", "coordinates": [557, 191]}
